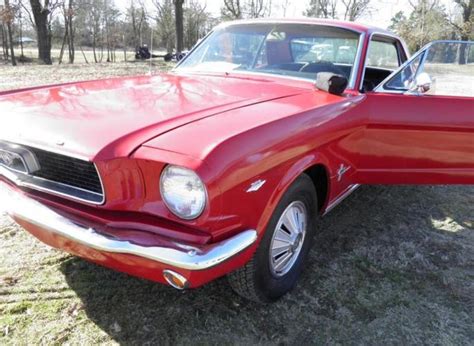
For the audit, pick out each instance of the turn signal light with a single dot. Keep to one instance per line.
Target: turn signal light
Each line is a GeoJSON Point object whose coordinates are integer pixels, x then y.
{"type": "Point", "coordinates": [175, 280]}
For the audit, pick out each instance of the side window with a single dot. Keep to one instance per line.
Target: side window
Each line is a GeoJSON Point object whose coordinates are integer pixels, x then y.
{"type": "Point", "coordinates": [449, 67]}
{"type": "Point", "coordinates": [381, 60]}
{"type": "Point", "coordinates": [382, 55]}
{"type": "Point", "coordinates": [403, 79]}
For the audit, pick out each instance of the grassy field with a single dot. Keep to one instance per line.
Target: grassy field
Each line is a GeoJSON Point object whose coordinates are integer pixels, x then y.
{"type": "Point", "coordinates": [390, 265]}
{"type": "Point", "coordinates": [25, 75]}
{"type": "Point", "coordinates": [81, 56]}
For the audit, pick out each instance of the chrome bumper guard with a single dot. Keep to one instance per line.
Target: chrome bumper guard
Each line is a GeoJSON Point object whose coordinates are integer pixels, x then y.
{"type": "Point", "coordinates": [180, 256]}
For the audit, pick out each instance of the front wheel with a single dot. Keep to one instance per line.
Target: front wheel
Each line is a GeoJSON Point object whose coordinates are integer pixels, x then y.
{"type": "Point", "coordinates": [279, 259]}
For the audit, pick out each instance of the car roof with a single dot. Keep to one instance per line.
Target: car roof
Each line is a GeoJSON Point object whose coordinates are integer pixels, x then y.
{"type": "Point", "coordinates": [358, 27]}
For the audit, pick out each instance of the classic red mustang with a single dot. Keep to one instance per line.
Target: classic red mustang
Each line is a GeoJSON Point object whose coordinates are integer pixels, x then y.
{"type": "Point", "coordinates": [222, 166]}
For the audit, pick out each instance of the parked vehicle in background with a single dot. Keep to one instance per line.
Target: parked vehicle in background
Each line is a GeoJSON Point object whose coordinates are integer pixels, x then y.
{"type": "Point", "coordinates": [175, 56]}
{"type": "Point", "coordinates": [143, 53]}
{"type": "Point", "coordinates": [225, 165]}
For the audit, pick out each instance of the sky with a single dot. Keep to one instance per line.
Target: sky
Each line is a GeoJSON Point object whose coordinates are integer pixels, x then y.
{"type": "Point", "coordinates": [381, 13]}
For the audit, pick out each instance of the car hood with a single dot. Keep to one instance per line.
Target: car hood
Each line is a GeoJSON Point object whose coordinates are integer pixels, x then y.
{"type": "Point", "coordinates": [100, 120]}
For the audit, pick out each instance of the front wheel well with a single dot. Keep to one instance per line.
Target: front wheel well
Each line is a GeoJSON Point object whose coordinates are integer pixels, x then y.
{"type": "Point", "coordinates": [319, 176]}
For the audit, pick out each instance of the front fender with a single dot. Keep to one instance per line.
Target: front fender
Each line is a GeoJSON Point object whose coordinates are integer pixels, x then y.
{"type": "Point", "coordinates": [289, 176]}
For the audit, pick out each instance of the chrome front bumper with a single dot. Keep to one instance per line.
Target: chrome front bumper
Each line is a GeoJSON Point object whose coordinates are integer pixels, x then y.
{"type": "Point", "coordinates": [181, 256]}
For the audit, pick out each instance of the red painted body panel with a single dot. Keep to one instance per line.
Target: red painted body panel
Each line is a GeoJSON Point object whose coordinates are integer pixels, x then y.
{"type": "Point", "coordinates": [80, 115]}
{"type": "Point", "coordinates": [232, 129]}
{"type": "Point", "coordinates": [418, 140]}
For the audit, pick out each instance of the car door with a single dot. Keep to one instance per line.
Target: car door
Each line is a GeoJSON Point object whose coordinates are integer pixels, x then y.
{"type": "Point", "coordinates": [421, 120]}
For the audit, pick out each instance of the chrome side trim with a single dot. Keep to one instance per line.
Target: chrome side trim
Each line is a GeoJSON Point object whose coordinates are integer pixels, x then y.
{"type": "Point", "coordinates": [357, 62]}
{"type": "Point", "coordinates": [341, 197]}
{"type": "Point", "coordinates": [183, 256]}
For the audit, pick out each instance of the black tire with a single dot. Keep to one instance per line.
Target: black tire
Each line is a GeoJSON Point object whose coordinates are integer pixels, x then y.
{"type": "Point", "coordinates": [255, 281]}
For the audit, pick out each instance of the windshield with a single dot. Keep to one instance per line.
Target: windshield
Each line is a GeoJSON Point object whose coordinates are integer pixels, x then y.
{"type": "Point", "coordinates": [299, 50]}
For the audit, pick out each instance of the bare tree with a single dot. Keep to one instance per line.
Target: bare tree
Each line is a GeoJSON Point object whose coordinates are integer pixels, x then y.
{"type": "Point", "coordinates": [137, 16]}
{"type": "Point", "coordinates": [8, 17]}
{"type": "Point", "coordinates": [426, 22]}
{"type": "Point", "coordinates": [94, 20]}
{"type": "Point", "coordinates": [322, 9]}
{"type": "Point", "coordinates": [179, 19]}
{"type": "Point", "coordinates": [238, 9]}
{"type": "Point", "coordinates": [69, 31]}
{"type": "Point", "coordinates": [258, 8]}
{"type": "Point", "coordinates": [232, 9]}
{"type": "Point", "coordinates": [429, 21]}
{"type": "Point", "coordinates": [42, 12]}
{"type": "Point", "coordinates": [354, 9]}
{"type": "Point", "coordinates": [165, 23]}
{"type": "Point", "coordinates": [465, 26]}
{"type": "Point", "coordinates": [4, 39]}
{"type": "Point", "coordinates": [195, 22]}
{"type": "Point", "coordinates": [111, 28]}
{"type": "Point", "coordinates": [284, 6]}
{"type": "Point", "coordinates": [20, 27]}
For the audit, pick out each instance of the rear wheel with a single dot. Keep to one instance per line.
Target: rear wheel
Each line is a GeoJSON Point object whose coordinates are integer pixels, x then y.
{"type": "Point", "coordinates": [279, 259]}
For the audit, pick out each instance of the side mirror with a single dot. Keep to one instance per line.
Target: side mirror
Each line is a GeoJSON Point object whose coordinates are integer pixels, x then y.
{"type": "Point", "coordinates": [421, 84]}
{"type": "Point", "coordinates": [331, 82]}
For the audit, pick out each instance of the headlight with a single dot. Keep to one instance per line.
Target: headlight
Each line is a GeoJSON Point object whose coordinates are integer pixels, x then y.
{"type": "Point", "coordinates": [183, 192]}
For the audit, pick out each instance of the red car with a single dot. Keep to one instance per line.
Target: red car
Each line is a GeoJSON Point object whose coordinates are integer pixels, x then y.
{"type": "Point", "coordinates": [224, 165]}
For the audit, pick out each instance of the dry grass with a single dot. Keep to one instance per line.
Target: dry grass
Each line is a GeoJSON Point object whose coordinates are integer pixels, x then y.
{"type": "Point", "coordinates": [25, 75]}
{"type": "Point", "coordinates": [86, 55]}
{"type": "Point", "coordinates": [391, 265]}
{"type": "Point", "coordinates": [451, 79]}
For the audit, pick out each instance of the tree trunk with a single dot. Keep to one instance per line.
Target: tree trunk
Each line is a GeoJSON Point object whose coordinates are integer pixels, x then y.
{"type": "Point", "coordinates": [94, 46]}
{"type": "Point", "coordinates": [44, 41]}
{"type": "Point", "coordinates": [43, 32]}
{"type": "Point", "coordinates": [12, 49]}
{"type": "Point", "coordinates": [4, 43]}
{"type": "Point", "coordinates": [124, 48]}
{"type": "Point", "coordinates": [10, 34]}
{"type": "Point", "coordinates": [462, 51]}
{"type": "Point", "coordinates": [72, 50]}
{"type": "Point", "coordinates": [21, 39]}
{"type": "Point", "coordinates": [84, 55]}
{"type": "Point", "coordinates": [178, 7]}
{"type": "Point", "coordinates": [65, 38]}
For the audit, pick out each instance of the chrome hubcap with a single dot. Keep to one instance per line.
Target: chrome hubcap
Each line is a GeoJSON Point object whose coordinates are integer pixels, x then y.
{"type": "Point", "coordinates": [288, 238]}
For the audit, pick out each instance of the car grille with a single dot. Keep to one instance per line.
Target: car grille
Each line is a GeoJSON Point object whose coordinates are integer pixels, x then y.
{"type": "Point", "coordinates": [67, 170]}
{"type": "Point", "coordinates": [60, 175]}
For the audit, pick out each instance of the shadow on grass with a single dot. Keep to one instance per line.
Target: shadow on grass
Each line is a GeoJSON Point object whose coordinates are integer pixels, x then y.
{"type": "Point", "coordinates": [380, 271]}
